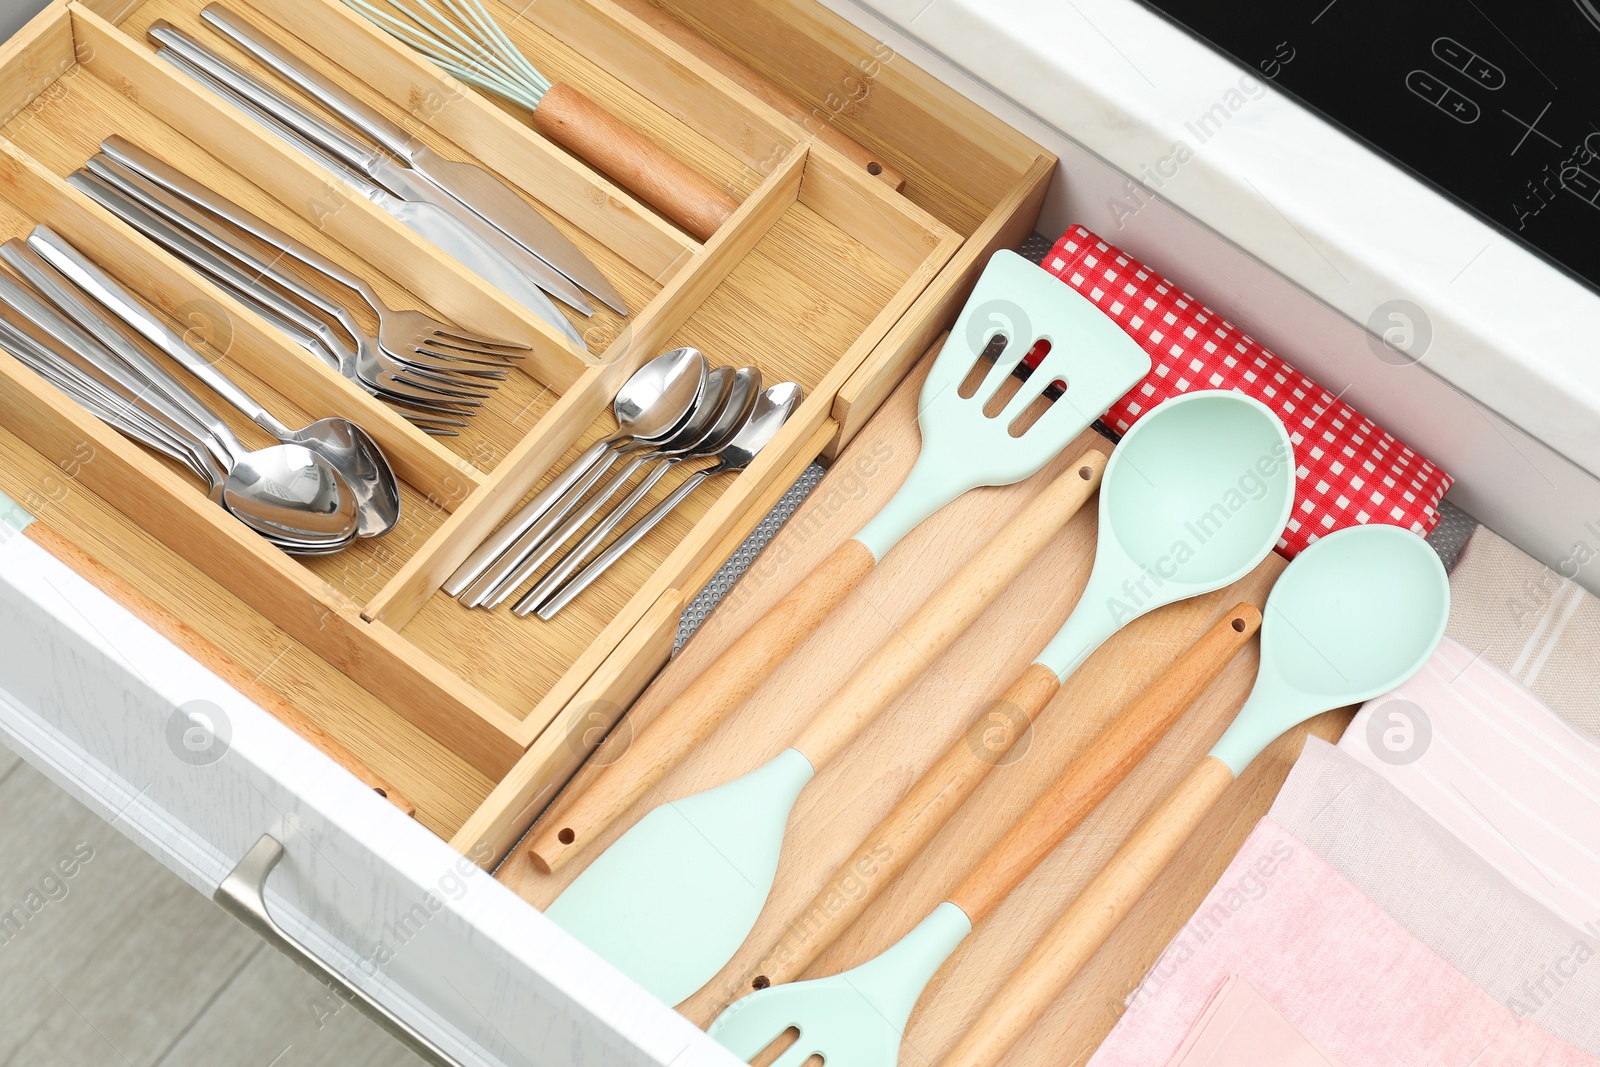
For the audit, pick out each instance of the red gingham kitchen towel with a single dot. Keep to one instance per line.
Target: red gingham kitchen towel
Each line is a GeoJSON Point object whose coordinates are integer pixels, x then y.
{"type": "Point", "coordinates": [1350, 471]}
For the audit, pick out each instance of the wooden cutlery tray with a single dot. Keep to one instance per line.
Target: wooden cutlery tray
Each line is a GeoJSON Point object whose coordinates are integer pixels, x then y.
{"type": "Point", "coordinates": [824, 275]}
{"type": "Point", "coordinates": [857, 789]}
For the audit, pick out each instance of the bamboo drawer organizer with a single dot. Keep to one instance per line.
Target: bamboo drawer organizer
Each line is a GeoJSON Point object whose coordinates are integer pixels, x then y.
{"type": "Point", "coordinates": [824, 275]}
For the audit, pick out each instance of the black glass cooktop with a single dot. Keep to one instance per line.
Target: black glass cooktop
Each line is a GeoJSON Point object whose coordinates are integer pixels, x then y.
{"type": "Point", "coordinates": [1497, 102]}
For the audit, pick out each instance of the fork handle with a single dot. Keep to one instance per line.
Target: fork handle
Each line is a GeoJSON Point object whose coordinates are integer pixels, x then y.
{"type": "Point", "coordinates": [495, 545]}
{"type": "Point", "coordinates": [136, 159]}
{"type": "Point", "coordinates": [1090, 919]}
{"type": "Point", "coordinates": [720, 687]}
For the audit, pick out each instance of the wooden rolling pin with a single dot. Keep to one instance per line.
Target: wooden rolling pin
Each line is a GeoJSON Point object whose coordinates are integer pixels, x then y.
{"type": "Point", "coordinates": [212, 658]}
{"type": "Point", "coordinates": [759, 85]}
{"type": "Point", "coordinates": [907, 830]}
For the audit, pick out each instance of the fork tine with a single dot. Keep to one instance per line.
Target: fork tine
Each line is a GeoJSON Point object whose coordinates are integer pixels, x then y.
{"type": "Point", "coordinates": [425, 356]}
{"type": "Point", "coordinates": [449, 384]}
{"type": "Point", "coordinates": [437, 381]}
{"type": "Point", "coordinates": [454, 360]}
{"type": "Point", "coordinates": [480, 344]}
{"type": "Point", "coordinates": [446, 364]}
{"type": "Point", "coordinates": [422, 395]}
{"type": "Point", "coordinates": [431, 347]}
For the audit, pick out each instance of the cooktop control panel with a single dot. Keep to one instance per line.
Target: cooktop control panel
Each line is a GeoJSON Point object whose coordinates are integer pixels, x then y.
{"type": "Point", "coordinates": [1495, 102]}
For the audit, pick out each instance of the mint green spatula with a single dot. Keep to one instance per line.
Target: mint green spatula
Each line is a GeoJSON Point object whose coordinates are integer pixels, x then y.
{"type": "Point", "coordinates": [1184, 509]}
{"type": "Point", "coordinates": [1353, 616]}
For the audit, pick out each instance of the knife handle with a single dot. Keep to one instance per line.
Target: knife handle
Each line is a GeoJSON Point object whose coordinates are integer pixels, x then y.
{"type": "Point", "coordinates": [374, 125]}
{"type": "Point", "coordinates": [119, 150]}
{"type": "Point", "coordinates": [264, 99]}
{"type": "Point", "coordinates": [622, 154]}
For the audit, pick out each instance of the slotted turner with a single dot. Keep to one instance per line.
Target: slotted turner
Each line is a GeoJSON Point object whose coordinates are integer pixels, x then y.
{"type": "Point", "coordinates": [962, 448]}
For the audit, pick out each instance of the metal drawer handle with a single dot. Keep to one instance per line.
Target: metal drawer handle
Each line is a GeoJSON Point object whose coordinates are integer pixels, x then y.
{"type": "Point", "coordinates": [241, 896]}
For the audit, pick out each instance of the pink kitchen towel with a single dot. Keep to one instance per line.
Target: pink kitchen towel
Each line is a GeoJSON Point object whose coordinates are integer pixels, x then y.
{"type": "Point", "coordinates": [1241, 1028]}
{"type": "Point", "coordinates": [1444, 894]}
{"type": "Point", "coordinates": [1350, 470]}
{"type": "Point", "coordinates": [1344, 973]}
{"type": "Point", "coordinates": [1482, 755]}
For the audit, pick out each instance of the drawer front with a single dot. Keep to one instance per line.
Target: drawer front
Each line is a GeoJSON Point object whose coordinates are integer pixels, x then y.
{"type": "Point", "coordinates": [196, 774]}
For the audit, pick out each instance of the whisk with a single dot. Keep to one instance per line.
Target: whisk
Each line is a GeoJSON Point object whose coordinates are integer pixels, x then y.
{"type": "Point", "coordinates": [462, 37]}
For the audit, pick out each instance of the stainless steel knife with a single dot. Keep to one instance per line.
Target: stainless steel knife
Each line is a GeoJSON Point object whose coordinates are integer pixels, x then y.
{"type": "Point", "coordinates": [426, 220]}
{"type": "Point", "coordinates": [475, 188]}
{"type": "Point", "coordinates": [364, 159]}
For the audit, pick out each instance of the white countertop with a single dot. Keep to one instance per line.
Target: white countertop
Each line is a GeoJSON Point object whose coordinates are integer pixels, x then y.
{"type": "Point", "coordinates": [1289, 189]}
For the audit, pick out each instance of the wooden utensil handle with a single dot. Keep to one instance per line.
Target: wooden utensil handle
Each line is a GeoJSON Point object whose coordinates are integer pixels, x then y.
{"type": "Point", "coordinates": [622, 154]}
{"type": "Point", "coordinates": [1090, 919]}
{"type": "Point", "coordinates": [721, 687]}
{"type": "Point", "coordinates": [1091, 776]}
{"type": "Point", "coordinates": [908, 829]}
{"type": "Point", "coordinates": [212, 658]}
{"type": "Point", "coordinates": [820, 126]}
{"type": "Point", "coordinates": [947, 614]}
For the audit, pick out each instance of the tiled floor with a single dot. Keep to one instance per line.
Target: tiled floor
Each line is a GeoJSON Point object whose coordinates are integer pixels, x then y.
{"type": "Point", "coordinates": [107, 958]}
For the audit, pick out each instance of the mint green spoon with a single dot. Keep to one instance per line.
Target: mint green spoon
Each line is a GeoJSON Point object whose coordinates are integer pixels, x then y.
{"type": "Point", "coordinates": [1353, 616]}
{"type": "Point", "coordinates": [1185, 508]}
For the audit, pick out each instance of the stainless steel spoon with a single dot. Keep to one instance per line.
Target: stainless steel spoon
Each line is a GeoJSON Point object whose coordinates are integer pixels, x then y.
{"type": "Point", "coordinates": [286, 493]}
{"type": "Point", "coordinates": [772, 410]}
{"type": "Point", "coordinates": [742, 397]}
{"type": "Point", "coordinates": [528, 556]}
{"type": "Point", "coordinates": [651, 404]}
{"type": "Point", "coordinates": [346, 447]}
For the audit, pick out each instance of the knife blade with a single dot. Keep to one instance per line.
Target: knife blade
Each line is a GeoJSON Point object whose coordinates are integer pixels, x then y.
{"type": "Point", "coordinates": [426, 220]}
{"type": "Point", "coordinates": [475, 188]}
{"type": "Point", "coordinates": [363, 158]}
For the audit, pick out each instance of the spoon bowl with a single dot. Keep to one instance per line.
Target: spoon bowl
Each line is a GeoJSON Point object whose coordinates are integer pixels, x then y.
{"type": "Point", "coordinates": [1193, 498]}
{"type": "Point", "coordinates": [660, 394]}
{"type": "Point", "coordinates": [654, 402]}
{"type": "Point", "coordinates": [1357, 613]}
{"type": "Point", "coordinates": [352, 452]}
{"type": "Point", "coordinates": [736, 451]}
{"type": "Point", "coordinates": [291, 495]}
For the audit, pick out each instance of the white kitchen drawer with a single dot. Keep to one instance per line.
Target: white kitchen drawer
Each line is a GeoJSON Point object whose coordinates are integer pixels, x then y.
{"type": "Point", "coordinates": [87, 692]}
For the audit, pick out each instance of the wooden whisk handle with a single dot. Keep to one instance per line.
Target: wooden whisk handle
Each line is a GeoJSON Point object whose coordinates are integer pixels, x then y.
{"type": "Point", "coordinates": [1090, 919]}
{"type": "Point", "coordinates": [628, 158]}
{"type": "Point", "coordinates": [1095, 772]}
